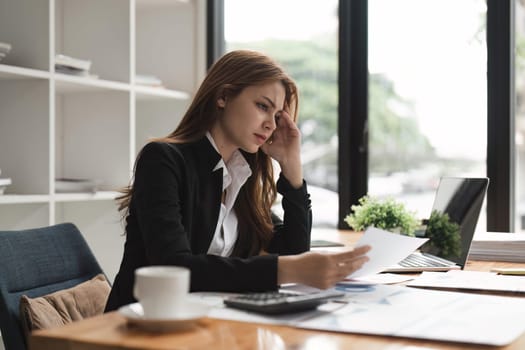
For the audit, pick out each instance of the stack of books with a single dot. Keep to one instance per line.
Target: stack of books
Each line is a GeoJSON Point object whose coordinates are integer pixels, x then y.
{"type": "Point", "coordinates": [498, 246]}
{"type": "Point", "coordinates": [67, 185]}
{"type": "Point", "coordinates": [4, 182]}
{"type": "Point", "coordinates": [4, 49]}
{"type": "Point", "coordinates": [74, 66]}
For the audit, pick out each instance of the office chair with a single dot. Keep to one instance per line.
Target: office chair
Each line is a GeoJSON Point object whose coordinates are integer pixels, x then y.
{"type": "Point", "coordinates": [36, 262]}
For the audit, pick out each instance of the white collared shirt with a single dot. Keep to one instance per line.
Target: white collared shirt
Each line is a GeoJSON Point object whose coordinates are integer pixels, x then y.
{"type": "Point", "coordinates": [234, 175]}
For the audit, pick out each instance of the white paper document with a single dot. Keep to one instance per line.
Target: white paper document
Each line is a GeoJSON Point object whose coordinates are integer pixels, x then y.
{"type": "Point", "coordinates": [387, 250]}
{"type": "Point", "coordinates": [470, 280]}
{"type": "Point", "coordinates": [426, 314]}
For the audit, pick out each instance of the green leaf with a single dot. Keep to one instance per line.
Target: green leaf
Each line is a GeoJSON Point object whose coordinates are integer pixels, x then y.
{"type": "Point", "coordinates": [385, 214]}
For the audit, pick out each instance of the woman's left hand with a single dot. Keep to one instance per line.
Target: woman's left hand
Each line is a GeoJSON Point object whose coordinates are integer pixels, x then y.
{"type": "Point", "coordinates": [285, 147]}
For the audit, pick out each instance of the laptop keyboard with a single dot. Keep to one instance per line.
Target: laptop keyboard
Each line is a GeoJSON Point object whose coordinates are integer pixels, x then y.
{"type": "Point", "coordinates": [415, 260]}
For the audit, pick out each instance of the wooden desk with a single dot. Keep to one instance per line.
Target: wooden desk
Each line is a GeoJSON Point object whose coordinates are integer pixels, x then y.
{"type": "Point", "coordinates": [110, 331]}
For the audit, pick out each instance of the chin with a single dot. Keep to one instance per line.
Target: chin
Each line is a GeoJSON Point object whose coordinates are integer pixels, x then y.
{"type": "Point", "coordinates": [251, 149]}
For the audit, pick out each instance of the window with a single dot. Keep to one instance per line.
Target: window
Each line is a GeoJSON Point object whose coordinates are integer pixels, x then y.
{"type": "Point", "coordinates": [427, 97]}
{"type": "Point", "coordinates": [305, 44]}
{"type": "Point", "coordinates": [438, 75]}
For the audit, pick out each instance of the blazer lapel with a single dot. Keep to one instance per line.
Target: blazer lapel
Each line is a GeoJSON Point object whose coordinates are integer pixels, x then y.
{"type": "Point", "coordinates": [208, 196]}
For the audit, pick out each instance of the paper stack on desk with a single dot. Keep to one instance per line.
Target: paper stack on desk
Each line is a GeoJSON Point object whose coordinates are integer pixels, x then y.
{"type": "Point", "coordinates": [498, 246]}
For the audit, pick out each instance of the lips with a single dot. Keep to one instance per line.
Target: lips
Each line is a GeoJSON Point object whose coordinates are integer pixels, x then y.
{"type": "Point", "coordinates": [261, 138]}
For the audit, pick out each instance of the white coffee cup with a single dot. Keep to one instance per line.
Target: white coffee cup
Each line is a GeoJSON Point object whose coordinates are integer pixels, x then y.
{"type": "Point", "coordinates": [162, 290]}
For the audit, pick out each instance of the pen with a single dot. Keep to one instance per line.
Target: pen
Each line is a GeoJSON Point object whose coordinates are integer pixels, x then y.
{"type": "Point", "coordinates": [509, 270]}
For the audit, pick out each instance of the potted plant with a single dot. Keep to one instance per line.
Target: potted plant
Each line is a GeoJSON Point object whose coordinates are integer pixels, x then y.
{"type": "Point", "coordinates": [385, 214]}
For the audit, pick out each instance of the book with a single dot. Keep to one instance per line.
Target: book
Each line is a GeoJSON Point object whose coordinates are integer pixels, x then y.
{"type": "Point", "coordinates": [4, 182]}
{"type": "Point", "coordinates": [69, 185]}
{"type": "Point", "coordinates": [71, 62]}
{"type": "Point", "coordinates": [148, 80]}
{"type": "Point", "coordinates": [4, 50]}
{"type": "Point", "coordinates": [5, 47]}
{"type": "Point", "coordinates": [71, 71]}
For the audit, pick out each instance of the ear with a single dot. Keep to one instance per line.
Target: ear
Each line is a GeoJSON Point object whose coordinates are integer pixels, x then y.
{"type": "Point", "coordinates": [222, 95]}
{"type": "Point", "coordinates": [221, 102]}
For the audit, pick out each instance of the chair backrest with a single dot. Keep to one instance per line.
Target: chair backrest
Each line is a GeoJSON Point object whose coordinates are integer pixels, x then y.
{"type": "Point", "coordinates": [37, 262]}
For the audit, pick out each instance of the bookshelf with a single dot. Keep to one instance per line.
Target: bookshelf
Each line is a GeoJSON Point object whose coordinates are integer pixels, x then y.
{"type": "Point", "coordinates": [55, 125]}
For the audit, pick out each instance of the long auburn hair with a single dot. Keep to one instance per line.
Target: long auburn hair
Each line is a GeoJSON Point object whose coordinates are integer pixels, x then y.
{"type": "Point", "coordinates": [227, 77]}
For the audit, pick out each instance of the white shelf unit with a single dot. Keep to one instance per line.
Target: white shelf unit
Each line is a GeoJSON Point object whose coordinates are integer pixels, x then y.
{"type": "Point", "coordinates": [54, 125]}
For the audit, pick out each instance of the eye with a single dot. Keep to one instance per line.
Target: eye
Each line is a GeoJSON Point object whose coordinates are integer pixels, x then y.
{"type": "Point", "coordinates": [262, 106]}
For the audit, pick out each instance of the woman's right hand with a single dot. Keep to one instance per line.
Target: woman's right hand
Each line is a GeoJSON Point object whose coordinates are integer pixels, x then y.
{"type": "Point", "coordinates": [320, 270]}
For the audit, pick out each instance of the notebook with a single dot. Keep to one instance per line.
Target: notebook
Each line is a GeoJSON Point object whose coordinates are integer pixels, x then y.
{"type": "Point", "coordinates": [461, 198]}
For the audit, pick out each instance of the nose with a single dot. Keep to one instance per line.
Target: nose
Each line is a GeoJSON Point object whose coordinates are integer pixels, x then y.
{"type": "Point", "coordinates": [270, 124]}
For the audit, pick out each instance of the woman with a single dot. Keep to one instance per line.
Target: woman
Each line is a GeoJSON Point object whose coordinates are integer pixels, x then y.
{"type": "Point", "coordinates": [202, 196]}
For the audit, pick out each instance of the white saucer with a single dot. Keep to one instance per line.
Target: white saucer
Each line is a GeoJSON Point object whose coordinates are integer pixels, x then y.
{"type": "Point", "coordinates": [193, 311]}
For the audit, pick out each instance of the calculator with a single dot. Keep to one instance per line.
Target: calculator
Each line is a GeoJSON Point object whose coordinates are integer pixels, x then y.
{"type": "Point", "coordinates": [280, 302]}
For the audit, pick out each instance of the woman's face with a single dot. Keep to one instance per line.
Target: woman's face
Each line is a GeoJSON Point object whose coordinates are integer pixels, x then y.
{"type": "Point", "coordinates": [248, 119]}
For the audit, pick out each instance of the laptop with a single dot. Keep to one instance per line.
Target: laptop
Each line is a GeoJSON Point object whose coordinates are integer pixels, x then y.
{"type": "Point", "coordinates": [460, 198]}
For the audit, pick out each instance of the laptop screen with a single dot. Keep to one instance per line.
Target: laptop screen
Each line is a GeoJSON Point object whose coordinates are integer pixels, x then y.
{"type": "Point", "coordinates": [461, 199]}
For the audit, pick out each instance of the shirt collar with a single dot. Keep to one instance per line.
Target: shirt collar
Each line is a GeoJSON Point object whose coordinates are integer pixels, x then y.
{"type": "Point", "coordinates": [237, 167]}
{"type": "Point", "coordinates": [220, 163]}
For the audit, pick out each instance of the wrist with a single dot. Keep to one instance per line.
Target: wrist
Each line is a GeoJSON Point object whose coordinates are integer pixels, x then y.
{"type": "Point", "coordinates": [293, 173]}
{"type": "Point", "coordinates": [285, 270]}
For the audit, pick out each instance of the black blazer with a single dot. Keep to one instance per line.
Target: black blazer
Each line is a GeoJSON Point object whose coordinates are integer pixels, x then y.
{"type": "Point", "coordinates": [173, 214]}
